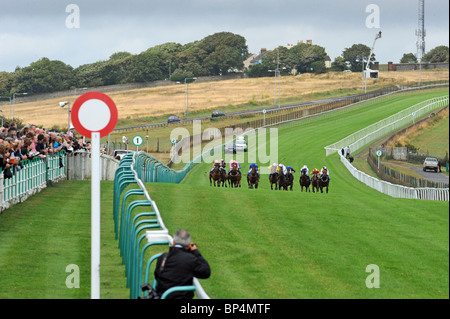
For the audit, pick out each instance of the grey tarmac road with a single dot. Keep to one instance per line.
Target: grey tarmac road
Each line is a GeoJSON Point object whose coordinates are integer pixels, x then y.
{"type": "Point", "coordinates": [429, 175]}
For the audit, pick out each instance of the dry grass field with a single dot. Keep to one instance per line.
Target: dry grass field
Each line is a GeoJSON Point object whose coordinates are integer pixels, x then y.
{"type": "Point", "coordinates": [148, 102]}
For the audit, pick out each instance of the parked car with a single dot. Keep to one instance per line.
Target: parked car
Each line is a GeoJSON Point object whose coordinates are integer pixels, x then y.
{"type": "Point", "coordinates": [230, 147]}
{"type": "Point", "coordinates": [118, 154]}
{"type": "Point", "coordinates": [173, 118]}
{"type": "Point", "coordinates": [430, 163]}
{"type": "Point", "coordinates": [217, 114]}
{"type": "Point", "coordinates": [241, 144]}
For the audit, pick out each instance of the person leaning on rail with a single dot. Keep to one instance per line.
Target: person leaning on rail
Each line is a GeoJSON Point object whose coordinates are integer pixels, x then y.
{"type": "Point", "coordinates": [179, 266]}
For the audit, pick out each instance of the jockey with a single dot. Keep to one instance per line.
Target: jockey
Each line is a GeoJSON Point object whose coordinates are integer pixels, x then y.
{"type": "Point", "coordinates": [283, 168]}
{"type": "Point", "coordinates": [216, 162]}
{"type": "Point", "coordinates": [223, 165]}
{"type": "Point", "coordinates": [315, 171]}
{"type": "Point", "coordinates": [250, 170]}
{"type": "Point", "coordinates": [238, 165]}
{"type": "Point", "coordinates": [305, 168]}
{"type": "Point", "coordinates": [291, 169]}
{"type": "Point", "coordinates": [273, 168]}
{"type": "Point", "coordinates": [323, 171]}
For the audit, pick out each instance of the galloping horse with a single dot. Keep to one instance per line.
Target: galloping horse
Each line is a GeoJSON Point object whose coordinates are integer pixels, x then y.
{"type": "Point", "coordinates": [282, 181]}
{"type": "Point", "coordinates": [273, 179]}
{"type": "Point", "coordinates": [234, 176]}
{"type": "Point", "coordinates": [315, 182]}
{"type": "Point", "coordinates": [305, 181]}
{"type": "Point", "coordinates": [223, 176]}
{"type": "Point", "coordinates": [253, 178]}
{"type": "Point", "coordinates": [289, 179]}
{"type": "Point", "coordinates": [215, 176]}
{"type": "Point", "coordinates": [323, 182]}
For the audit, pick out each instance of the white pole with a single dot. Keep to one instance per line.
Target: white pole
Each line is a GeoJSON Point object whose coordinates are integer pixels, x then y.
{"type": "Point", "coordinates": [95, 216]}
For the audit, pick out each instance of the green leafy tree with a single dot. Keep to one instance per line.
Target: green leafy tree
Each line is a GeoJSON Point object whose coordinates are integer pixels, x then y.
{"type": "Point", "coordinates": [281, 55]}
{"type": "Point", "coordinates": [304, 54]}
{"type": "Point", "coordinates": [262, 69]}
{"type": "Point", "coordinates": [355, 54]}
{"type": "Point", "coordinates": [318, 67]}
{"type": "Point", "coordinates": [6, 82]}
{"type": "Point", "coordinates": [191, 59]}
{"type": "Point", "coordinates": [119, 56]}
{"type": "Point", "coordinates": [438, 54]}
{"type": "Point", "coordinates": [408, 57]}
{"type": "Point", "coordinates": [179, 75]}
{"type": "Point", "coordinates": [43, 76]}
{"type": "Point", "coordinates": [90, 75]}
{"type": "Point", "coordinates": [225, 52]}
{"type": "Point", "coordinates": [170, 48]}
{"type": "Point", "coordinates": [339, 64]}
{"type": "Point", "coordinates": [145, 67]}
{"type": "Point", "coordinates": [223, 60]}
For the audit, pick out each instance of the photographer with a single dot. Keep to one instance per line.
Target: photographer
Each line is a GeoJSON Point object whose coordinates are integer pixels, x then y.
{"type": "Point", "coordinates": [179, 266]}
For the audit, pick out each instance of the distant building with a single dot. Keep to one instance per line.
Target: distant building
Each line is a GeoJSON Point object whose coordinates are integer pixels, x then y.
{"type": "Point", "coordinates": [250, 60]}
{"type": "Point", "coordinates": [255, 58]}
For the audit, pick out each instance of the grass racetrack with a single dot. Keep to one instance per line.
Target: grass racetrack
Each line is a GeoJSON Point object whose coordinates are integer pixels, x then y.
{"type": "Point", "coordinates": [259, 243]}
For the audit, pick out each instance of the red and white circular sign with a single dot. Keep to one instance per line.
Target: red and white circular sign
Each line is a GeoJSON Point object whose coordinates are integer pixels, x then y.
{"type": "Point", "coordinates": [94, 112]}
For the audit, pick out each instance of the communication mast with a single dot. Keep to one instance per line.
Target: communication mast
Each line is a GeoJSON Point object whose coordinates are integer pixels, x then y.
{"type": "Point", "coordinates": [420, 31]}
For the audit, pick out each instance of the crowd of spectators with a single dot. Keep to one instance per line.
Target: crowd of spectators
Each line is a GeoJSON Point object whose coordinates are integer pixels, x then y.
{"type": "Point", "coordinates": [29, 142]}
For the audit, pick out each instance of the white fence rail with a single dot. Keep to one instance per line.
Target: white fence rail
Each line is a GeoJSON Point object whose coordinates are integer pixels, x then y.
{"type": "Point", "coordinates": [79, 166]}
{"type": "Point", "coordinates": [390, 124]}
{"type": "Point", "coordinates": [395, 190]}
{"type": "Point", "coordinates": [375, 131]}
{"type": "Point", "coordinates": [30, 179]}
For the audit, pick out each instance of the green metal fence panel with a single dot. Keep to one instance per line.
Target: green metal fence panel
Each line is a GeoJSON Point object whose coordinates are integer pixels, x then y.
{"type": "Point", "coordinates": [130, 224]}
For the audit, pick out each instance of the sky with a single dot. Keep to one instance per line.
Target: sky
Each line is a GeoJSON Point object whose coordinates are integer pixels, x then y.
{"type": "Point", "coordinates": [33, 29]}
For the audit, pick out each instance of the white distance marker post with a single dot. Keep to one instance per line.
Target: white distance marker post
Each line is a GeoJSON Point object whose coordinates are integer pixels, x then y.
{"type": "Point", "coordinates": [95, 216]}
{"type": "Point", "coordinates": [137, 141]}
{"type": "Point", "coordinates": [94, 115]}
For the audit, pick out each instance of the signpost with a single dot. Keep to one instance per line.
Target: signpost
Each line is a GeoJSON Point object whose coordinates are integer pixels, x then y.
{"type": "Point", "coordinates": [137, 141]}
{"type": "Point", "coordinates": [379, 153]}
{"type": "Point", "coordinates": [264, 112]}
{"type": "Point", "coordinates": [94, 115]}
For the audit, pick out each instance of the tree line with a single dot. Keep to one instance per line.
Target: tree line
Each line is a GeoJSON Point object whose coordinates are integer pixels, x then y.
{"type": "Point", "coordinates": [217, 54]}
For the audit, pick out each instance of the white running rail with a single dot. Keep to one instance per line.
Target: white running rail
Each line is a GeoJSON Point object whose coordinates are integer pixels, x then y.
{"type": "Point", "coordinates": [375, 131]}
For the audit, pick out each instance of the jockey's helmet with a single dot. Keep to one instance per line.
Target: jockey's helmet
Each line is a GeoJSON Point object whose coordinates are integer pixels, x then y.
{"type": "Point", "coordinates": [324, 167]}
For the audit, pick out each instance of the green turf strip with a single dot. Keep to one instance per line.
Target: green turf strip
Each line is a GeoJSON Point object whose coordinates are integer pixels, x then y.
{"type": "Point", "coordinates": [260, 243]}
